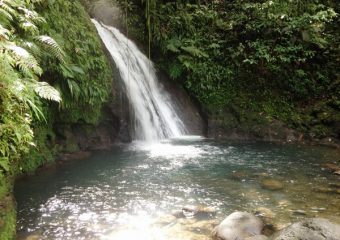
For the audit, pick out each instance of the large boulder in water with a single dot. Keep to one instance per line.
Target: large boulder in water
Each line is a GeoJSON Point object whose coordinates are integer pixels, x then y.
{"type": "Point", "coordinates": [238, 225]}
{"type": "Point", "coordinates": [310, 229]}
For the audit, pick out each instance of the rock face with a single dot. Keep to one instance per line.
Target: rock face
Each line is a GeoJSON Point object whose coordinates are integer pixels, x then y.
{"type": "Point", "coordinates": [257, 237]}
{"type": "Point", "coordinates": [238, 225]}
{"type": "Point", "coordinates": [271, 184]}
{"type": "Point", "coordinates": [233, 124]}
{"type": "Point", "coordinates": [106, 12]}
{"type": "Point", "coordinates": [189, 112]}
{"type": "Point", "coordinates": [229, 125]}
{"type": "Point", "coordinates": [310, 229]}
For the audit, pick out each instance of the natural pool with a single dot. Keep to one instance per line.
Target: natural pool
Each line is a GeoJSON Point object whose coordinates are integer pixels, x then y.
{"type": "Point", "coordinates": [137, 191]}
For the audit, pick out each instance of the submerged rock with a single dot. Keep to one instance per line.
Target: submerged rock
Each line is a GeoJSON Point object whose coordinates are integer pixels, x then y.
{"type": "Point", "coordinates": [75, 156]}
{"type": "Point", "coordinates": [271, 184]}
{"type": "Point", "coordinates": [264, 213]}
{"type": "Point", "coordinates": [34, 237]}
{"type": "Point", "coordinates": [299, 212]}
{"type": "Point", "coordinates": [267, 216]}
{"type": "Point", "coordinates": [257, 237]}
{"type": "Point", "coordinates": [324, 190]}
{"type": "Point", "coordinates": [238, 225]}
{"type": "Point", "coordinates": [195, 212]}
{"type": "Point", "coordinates": [310, 229]}
{"type": "Point", "coordinates": [333, 168]}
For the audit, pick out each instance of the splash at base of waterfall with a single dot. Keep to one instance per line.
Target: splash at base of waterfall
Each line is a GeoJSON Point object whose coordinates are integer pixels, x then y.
{"type": "Point", "coordinates": [152, 108]}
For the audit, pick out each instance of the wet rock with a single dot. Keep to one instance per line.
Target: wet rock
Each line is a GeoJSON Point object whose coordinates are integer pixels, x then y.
{"type": "Point", "coordinates": [201, 226]}
{"type": "Point", "coordinates": [264, 213]}
{"type": "Point", "coordinates": [329, 142]}
{"type": "Point", "coordinates": [271, 184]}
{"type": "Point", "coordinates": [267, 217]}
{"type": "Point", "coordinates": [200, 212]}
{"type": "Point", "coordinates": [238, 225]}
{"type": "Point", "coordinates": [310, 229]}
{"type": "Point", "coordinates": [106, 12]}
{"type": "Point", "coordinates": [34, 237]}
{"type": "Point", "coordinates": [239, 175]}
{"type": "Point", "coordinates": [166, 219]}
{"type": "Point", "coordinates": [331, 167]}
{"type": "Point", "coordinates": [261, 174]}
{"type": "Point", "coordinates": [299, 212]}
{"type": "Point", "coordinates": [75, 156]}
{"type": "Point", "coordinates": [204, 224]}
{"type": "Point", "coordinates": [325, 190]}
{"type": "Point", "coordinates": [284, 203]}
{"type": "Point", "coordinates": [257, 237]}
{"type": "Point", "coordinates": [334, 185]}
{"type": "Point", "coordinates": [318, 209]}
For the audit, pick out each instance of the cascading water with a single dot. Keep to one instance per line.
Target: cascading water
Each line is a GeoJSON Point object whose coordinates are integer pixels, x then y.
{"type": "Point", "coordinates": [155, 118]}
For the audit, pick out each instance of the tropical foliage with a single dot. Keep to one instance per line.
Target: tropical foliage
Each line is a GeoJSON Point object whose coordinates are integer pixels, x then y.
{"type": "Point", "coordinates": [272, 56]}
{"type": "Point", "coordinates": [85, 82]}
{"type": "Point", "coordinates": [44, 85]}
{"type": "Point", "coordinates": [22, 95]}
{"type": "Point", "coordinates": [21, 92]}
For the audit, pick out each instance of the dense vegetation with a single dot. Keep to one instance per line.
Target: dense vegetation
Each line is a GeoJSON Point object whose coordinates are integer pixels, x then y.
{"type": "Point", "coordinates": [277, 59]}
{"type": "Point", "coordinates": [261, 60]}
{"type": "Point", "coordinates": [50, 74]}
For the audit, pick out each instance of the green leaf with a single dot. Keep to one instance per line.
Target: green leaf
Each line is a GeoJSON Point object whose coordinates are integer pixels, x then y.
{"type": "Point", "coordinates": [194, 51]}
{"type": "Point", "coordinates": [4, 163]}
{"type": "Point", "coordinates": [46, 91]}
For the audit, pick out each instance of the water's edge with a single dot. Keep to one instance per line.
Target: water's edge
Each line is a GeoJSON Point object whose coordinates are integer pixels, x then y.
{"type": "Point", "coordinates": [235, 177]}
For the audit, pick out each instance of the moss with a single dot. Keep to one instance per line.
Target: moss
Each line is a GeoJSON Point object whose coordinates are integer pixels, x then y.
{"type": "Point", "coordinates": [86, 81]}
{"type": "Point", "coordinates": [91, 76]}
{"type": "Point", "coordinates": [44, 151]}
{"type": "Point", "coordinates": [7, 208]}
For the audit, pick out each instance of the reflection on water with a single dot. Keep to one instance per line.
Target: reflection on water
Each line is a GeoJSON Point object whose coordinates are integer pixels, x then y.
{"type": "Point", "coordinates": [137, 191]}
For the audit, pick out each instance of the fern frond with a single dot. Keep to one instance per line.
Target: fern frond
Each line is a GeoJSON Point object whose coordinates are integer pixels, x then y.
{"type": "Point", "coordinates": [4, 33]}
{"type": "Point", "coordinates": [37, 113]}
{"type": "Point", "coordinates": [32, 47]}
{"type": "Point", "coordinates": [46, 91]}
{"type": "Point", "coordinates": [5, 5]}
{"type": "Point", "coordinates": [194, 51]}
{"type": "Point", "coordinates": [29, 66]}
{"type": "Point", "coordinates": [5, 16]}
{"type": "Point", "coordinates": [19, 52]}
{"type": "Point", "coordinates": [29, 27]}
{"type": "Point", "coordinates": [52, 47]}
{"type": "Point", "coordinates": [25, 61]}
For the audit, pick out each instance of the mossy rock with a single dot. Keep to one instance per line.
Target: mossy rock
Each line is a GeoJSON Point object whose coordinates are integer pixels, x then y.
{"type": "Point", "coordinates": [7, 208]}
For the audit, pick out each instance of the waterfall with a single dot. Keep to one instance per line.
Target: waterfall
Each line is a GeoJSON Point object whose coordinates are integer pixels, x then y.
{"type": "Point", "coordinates": [155, 117]}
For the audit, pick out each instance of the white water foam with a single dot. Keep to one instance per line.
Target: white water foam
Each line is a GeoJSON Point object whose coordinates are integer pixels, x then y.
{"type": "Point", "coordinates": [155, 117]}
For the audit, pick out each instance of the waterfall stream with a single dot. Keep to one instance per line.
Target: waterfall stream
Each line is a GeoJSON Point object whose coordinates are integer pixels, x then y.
{"type": "Point", "coordinates": [155, 117]}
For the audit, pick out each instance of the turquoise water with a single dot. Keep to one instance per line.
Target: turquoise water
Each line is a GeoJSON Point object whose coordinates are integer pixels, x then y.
{"type": "Point", "coordinates": [133, 190]}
